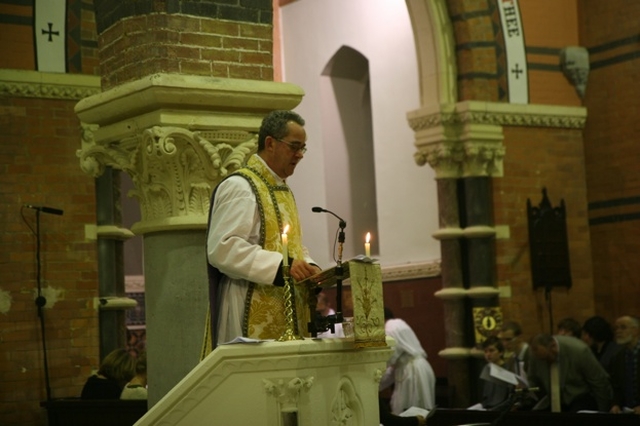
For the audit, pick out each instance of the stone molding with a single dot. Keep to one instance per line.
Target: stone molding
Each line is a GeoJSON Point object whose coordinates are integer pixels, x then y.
{"type": "Point", "coordinates": [42, 85]}
{"type": "Point", "coordinates": [455, 353]}
{"type": "Point", "coordinates": [458, 293]}
{"type": "Point", "coordinates": [410, 271]}
{"type": "Point", "coordinates": [499, 114]}
{"type": "Point", "coordinates": [287, 391]}
{"type": "Point", "coordinates": [345, 403]}
{"type": "Point", "coordinates": [465, 139]}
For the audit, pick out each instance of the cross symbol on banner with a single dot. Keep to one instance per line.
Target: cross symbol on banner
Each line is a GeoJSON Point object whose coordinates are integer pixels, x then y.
{"type": "Point", "coordinates": [51, 32]}
{"type": "Point", "coordinates": [517, 71]}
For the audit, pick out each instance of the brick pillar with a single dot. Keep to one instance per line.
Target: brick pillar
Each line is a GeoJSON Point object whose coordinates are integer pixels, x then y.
{"type": "Point", "coordinates": [185, 87]}
{"type": "Point", "coordinates": [215, 39]}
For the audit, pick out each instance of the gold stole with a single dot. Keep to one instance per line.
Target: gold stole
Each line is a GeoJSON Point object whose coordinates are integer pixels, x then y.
{"type": "Point", "coordinates": [264, 316]}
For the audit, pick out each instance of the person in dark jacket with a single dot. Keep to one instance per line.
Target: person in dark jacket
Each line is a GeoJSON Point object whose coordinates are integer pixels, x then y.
{"type": "Point", "coordinates": [117, 368]}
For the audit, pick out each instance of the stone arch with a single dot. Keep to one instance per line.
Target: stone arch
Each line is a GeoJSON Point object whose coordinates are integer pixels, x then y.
{"type": "Point", "coordinates": [435, 50]}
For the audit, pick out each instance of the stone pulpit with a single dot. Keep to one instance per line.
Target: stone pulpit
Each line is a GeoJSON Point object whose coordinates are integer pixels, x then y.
{"type": "Point", "coordinates": [304, 382]}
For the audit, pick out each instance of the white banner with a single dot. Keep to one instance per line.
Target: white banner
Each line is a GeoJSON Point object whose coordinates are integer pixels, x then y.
{"type": "Point", "coordinates": [50, 35]}
{"type": "Point", "coordinates": [516, 53]}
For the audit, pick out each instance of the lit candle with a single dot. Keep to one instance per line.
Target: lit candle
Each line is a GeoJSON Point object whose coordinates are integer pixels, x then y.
{"type": "Point", "coordinates": [367, 246]}
{"type": "Point", "coordinates": [285, 250]}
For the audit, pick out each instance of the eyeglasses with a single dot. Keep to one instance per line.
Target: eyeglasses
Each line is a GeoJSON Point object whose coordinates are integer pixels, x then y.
{"type": "Point", "coordinates": [295, 147]}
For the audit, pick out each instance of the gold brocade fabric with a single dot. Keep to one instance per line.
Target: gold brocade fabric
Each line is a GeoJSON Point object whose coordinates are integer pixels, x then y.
{"type": "Point", "coordinates": [264, 307]}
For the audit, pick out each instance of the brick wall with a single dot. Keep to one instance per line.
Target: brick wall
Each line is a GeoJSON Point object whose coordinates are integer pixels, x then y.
{"type": "Point", "coordinates": [612, 152]}
{"type": "Point", "coordinates": [38, 166]}
{"type": "Point", "coordinates": [537, 158]}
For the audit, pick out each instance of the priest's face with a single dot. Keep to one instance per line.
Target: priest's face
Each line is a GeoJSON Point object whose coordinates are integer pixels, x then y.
{"type": "Point", "coordinates": [283, 155]}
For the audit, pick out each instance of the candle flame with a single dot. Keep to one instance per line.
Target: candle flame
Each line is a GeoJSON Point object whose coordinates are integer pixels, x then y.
{"type": "Point", "coordinates": [368, 237]}
{"type": "Point", "coordinates": [286, 229]}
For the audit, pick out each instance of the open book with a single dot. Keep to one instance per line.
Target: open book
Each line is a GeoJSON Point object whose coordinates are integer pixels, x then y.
{"type": "Point", "coordinates": [497, 374]}
{"type": "Point", "coordinates": [327, 278]}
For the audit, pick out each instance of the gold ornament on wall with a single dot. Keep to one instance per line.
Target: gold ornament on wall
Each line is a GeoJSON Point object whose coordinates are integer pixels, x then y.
{"type": "Point", "coordinates": [486, 322]}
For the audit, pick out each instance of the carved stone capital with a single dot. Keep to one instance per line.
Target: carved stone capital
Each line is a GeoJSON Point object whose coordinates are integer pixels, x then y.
{"type": "Point", "coordinates": [465, 139]}
{"type": "Point", "coordinates": [177, 136]}
{"type": "Point", "coordinates": [461, 150]}
{"type": "Point", "coordinates": [173, 170]}
{"type": "Point", "coordinates": [287, 391]}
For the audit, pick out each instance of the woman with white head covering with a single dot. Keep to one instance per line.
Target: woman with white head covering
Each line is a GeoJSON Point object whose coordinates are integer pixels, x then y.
{"type": "Point", "coordinates": [409, 370]}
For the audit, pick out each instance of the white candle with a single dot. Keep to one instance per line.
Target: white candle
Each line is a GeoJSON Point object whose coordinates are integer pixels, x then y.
{"type": "Point", "coordinates": [367, 246]}
{"type": "Point", "coordinates": [285, 249]}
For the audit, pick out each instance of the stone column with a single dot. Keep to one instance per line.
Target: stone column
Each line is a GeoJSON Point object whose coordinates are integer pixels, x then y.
{"type": "Point", "coordinates": [185, 87]}
{"type": "Point", "coordinates": [464, 154]}
{"type": "Point", "coordinates": [176, 136]}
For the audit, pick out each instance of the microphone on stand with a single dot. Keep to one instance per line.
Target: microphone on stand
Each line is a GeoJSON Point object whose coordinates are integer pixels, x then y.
{"type": "Point", "coordinates": [343, 224]}
{"type": "Point", "coordinates": [339, 267]}
{"type": "Point", "coordinates": [43, 209]}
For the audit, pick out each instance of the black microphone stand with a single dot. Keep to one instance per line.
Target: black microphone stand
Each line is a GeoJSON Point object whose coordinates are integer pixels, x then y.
{"type": "Point", "coordinates": [41, 301]}
{"type": "Point", "coordinates": [322, 323]}
{"type": "Point", "coordinates": [340, 272]}
{"type": "Point", "coordinates": [516, 396]}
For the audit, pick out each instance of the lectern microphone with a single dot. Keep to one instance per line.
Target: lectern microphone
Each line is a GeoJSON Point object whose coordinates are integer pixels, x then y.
{"type": "Point", "coordinates": [43, 209]}
{"type": "Point", "coordinates": [343, 224]}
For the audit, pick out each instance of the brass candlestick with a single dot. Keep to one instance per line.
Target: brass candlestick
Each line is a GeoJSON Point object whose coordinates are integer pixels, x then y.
{"type": "Point", "coordinates": [290, 333]}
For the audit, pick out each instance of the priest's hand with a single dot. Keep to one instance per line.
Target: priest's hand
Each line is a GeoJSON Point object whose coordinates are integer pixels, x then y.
{"type": "Point", "coordinates": [300, 270]}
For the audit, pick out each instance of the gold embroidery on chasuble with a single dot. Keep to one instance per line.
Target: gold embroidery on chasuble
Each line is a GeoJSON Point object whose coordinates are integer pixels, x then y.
{"type": "Point", "coordinates": [264, 316]}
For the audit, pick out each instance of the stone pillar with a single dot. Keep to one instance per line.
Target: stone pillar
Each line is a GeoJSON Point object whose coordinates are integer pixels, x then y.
{"type": "Point", "coordinates": [185, 87]}
{"type": "Point", "coordinates": [176, 136]}
{"type": "Point", "coordinates": [464, 155]}
{"type": "Point", "coordinates": [110, 236]}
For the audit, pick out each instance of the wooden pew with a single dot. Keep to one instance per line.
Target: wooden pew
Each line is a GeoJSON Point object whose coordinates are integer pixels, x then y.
{"type": "Point", "coordinates": [80, 412]}
{"type": "Point", "coordinates": [451, 417]}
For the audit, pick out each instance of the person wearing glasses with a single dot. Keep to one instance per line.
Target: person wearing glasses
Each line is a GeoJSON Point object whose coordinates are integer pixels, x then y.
{"type": "Point", "coordinates": [516, 349]}
{"type": "Point", "coordinates": [250, 212]}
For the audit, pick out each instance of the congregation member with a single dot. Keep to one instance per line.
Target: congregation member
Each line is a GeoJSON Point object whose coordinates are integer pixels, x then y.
{"type": "Point", "coordinates": [570, 327]}
{"type": "Point", "coordinates": [566, 370]}
{"type": "Point", "coordinates": [249, 212]}
{"type": "Point", "coordinates": [136, 388]}
{"type": "Point", "coordinates": [408, 371]}
{"type": "Point", "coordinates": [597, 333]}
{"type": "Point", "coordinates": [625, 366]}
{"type": "Point", "coordinates": [495, 394]}
{"type": "Point", "coordinates": [116, 369]}
{"type": "Point", "coordinates": [516, 349]}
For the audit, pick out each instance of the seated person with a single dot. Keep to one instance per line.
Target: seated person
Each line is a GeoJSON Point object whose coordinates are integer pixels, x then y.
{"type": "Point", "coordinates": [495, 395]}
{"type": "Point", "coordinates": [137, 387]}
{"type": "Point", "coordinates": [598, 334]}
{"type": "Point", "coordinates": [117, 368]}
{"type": "Point", "coordinates": [569, 327]}
{"type": "Point", "coordinates": [625, 367]}
{"type": "Point", "coordinates": [516, 349]}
